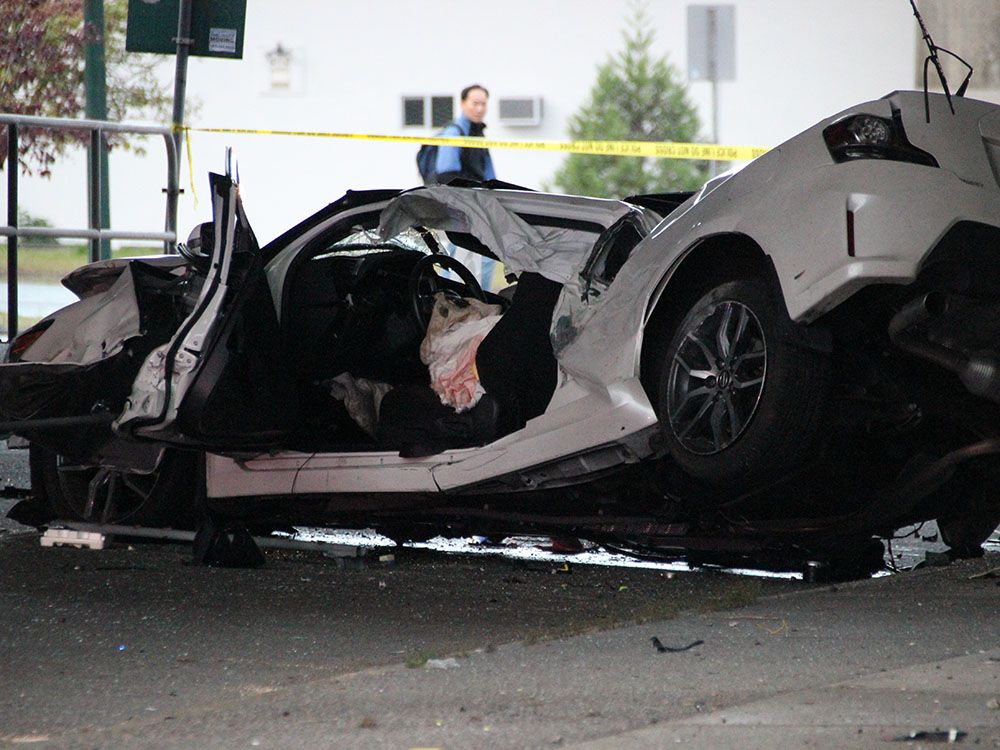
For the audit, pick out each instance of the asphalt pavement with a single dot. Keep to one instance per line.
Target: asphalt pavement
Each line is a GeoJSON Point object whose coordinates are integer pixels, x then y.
{"type": "Point", "coordinates": [133, 646]}
{"type": "Point", "coordinates": [14, 472]}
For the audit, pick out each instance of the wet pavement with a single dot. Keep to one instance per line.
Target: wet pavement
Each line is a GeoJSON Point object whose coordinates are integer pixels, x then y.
{"type": "Point", "coordinates": [133, 646]}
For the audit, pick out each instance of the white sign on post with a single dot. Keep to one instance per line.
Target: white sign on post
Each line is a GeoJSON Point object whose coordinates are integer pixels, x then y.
{"type": "Point", "coordinates": [222, 40]}
{"type": "Point", "coordinates": [711, 43]}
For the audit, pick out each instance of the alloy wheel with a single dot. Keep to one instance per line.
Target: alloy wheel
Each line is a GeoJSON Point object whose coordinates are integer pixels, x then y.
{"type": "Point", "coordinates": [101, 494]}
{"type": "Point", "coordinates": [716, 377]}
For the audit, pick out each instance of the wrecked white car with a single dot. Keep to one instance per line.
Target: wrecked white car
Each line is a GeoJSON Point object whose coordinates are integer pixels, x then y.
{"type": "Point", "coordinates": [810, 342]}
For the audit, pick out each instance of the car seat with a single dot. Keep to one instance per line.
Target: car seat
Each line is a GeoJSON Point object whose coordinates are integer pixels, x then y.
{"type": "Point", "coordinates": [516, 366]}
{"type": "Point", "coordinates": [515, 361]}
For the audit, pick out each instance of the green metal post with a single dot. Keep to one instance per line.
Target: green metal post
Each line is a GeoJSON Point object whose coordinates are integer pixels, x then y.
{"type": "Point", "coordinates": [184, 42]}
{"type": "Point", "coordinates": [95, 85]}
{"type": "Point", "coordinates": [13, 165]}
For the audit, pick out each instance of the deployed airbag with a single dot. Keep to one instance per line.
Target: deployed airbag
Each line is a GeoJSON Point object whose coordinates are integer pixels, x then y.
{"type": "Point", "coordinates": [449, 349]}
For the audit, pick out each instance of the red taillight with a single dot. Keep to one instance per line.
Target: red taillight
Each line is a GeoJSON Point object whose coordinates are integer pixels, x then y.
{"type": "Point", "coordinates": [24, 342]}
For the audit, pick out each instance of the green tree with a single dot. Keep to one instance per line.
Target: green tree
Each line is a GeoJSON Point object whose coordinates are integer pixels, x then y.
{"type": "Point", "coordinates": [637, 97]}
{"type": "Point", "coordinates": [25, 219]}
{"type": "Point", "coordinates": [41, 73]}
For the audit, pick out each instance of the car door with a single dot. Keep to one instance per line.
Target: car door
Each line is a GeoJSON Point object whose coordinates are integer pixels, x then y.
{"type": "Point", "coordinates": [220, 381]}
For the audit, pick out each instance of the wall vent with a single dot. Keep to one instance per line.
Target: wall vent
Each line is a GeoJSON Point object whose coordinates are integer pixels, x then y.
{"type": "Point", "coordinates": [519, 110]}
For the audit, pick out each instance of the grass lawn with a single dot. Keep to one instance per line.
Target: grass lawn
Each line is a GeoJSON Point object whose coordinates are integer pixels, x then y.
{"type": "Point", "coordinates": [49, 263]}
{"type": "Point", "coordinates": [23, 324]}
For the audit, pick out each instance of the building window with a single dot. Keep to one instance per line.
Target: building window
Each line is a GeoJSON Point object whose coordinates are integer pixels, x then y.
{"type": "Point", "coordinates": [436, 111]}
{"type": "Point", "coordinates": [413, 110]}
{"type": "Point", "coordinates": [442, 111]}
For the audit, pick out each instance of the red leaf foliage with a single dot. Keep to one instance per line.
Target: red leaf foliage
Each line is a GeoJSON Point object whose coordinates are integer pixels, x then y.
{"type": "Point", "coordinates": [42, 49]}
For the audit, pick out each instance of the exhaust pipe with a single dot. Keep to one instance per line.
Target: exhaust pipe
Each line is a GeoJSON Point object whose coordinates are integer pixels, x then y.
{"type": "Point", "coordinates": [982, 376]}
{"type": "Point", "coordinates": [980, 373]}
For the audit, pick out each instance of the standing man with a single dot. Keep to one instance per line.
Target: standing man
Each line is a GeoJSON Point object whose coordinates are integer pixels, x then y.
{"type": "Point", "coordinates": [469, 163]}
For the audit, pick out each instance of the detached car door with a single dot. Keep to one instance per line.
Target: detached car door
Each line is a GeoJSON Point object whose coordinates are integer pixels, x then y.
{"type": "Point", "coordinates": [220, 381]}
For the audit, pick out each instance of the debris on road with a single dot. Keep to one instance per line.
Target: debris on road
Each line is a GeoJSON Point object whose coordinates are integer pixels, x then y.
{"type": "Point", "coordinates": [226, 545]}
{"type": "Point", "coordinates": [673, 649]}
{"type": "Point", "coordinates": [449, 663]}
{"type": "Point", "coordinates": [782, 628]}
{"type": "Point", "coordinates": [70, 538]}
{"type": "Point", "coordinates": [950, 736]}
{"type": "Point", "coordinates": [991, 573]}
{"type": "Point", "coordinates": [564, 545]}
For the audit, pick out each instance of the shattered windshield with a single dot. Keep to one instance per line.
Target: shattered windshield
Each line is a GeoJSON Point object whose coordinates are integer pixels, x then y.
{"type": "Point", "coordinates": [363, 241]}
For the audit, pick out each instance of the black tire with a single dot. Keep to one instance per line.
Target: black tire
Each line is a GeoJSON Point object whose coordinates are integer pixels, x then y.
{"type": "Point", "coordinates": [741, 397]}
{"type": "Point", "coordinates": [971, 512]}
{"type": "Point", "coordinates": [165, 497]}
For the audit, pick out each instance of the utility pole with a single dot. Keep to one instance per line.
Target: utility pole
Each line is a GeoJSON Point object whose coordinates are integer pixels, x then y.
{"type": "Point", "coordinates": [712, 53]}
{"type": "Point", "coordinates": [184, 42]}
{"type": "Point", "coordinates": [95, 87]}
{"type": "Point", "coordinates": [713, 76]}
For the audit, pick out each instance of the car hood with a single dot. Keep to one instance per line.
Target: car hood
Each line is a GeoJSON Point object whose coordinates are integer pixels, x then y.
{"type": "Point", "coordinates": [495, 219]}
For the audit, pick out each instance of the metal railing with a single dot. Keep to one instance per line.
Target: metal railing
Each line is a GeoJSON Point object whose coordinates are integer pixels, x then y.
{"type": "Point", "coordinates": [95, 233]}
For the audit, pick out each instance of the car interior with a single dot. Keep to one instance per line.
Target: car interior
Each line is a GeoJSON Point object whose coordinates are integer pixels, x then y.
{"type": "Point", "coordinates": [351, 309]}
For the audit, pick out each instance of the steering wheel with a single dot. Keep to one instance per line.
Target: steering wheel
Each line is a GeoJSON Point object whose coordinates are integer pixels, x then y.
{"type": "Point", "coordinates": [424, 283]}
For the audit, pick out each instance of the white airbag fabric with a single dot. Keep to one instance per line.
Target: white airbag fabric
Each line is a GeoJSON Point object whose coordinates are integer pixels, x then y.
{"type": "Point", "coordinates": [449, 349]}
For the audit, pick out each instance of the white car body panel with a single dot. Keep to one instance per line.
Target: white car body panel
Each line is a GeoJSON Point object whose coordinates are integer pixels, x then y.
{"type": "Point", "coordinates": [147, 401]}
{"type": "Point", "coordinates": [92, 329]}
{"type": "Point", "coordinates": [810, 257]}
{"type": "Point", "coordinates": [106, 316]}
{"type": "Point", "coordinates": [795, 203]}
{"type": "Point", "coordinates": [576, 427]}
{"type": "Point", "coordinates": [291, 472]}
{"type": "Point", "coordinates": [491, 216]}
{"type": "Point", "coordinates": [581, 425]}
{"type": "Point", "coordinates": [508, 235]}
{"type": "Point", "coordinates": [810, 254]}
{"type": "Point", "coordinates": [98, 277]}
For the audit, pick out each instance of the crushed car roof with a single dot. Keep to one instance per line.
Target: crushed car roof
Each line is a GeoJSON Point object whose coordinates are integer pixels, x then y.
{"type": "Point", "coordinates": [495, 218]}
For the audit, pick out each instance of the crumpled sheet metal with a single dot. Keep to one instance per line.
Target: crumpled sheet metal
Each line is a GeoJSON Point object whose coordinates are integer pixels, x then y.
{"type": "Point", "coordinates": [94, 278]}
{"type": "Point", "coordinates": [581, 326]}
{"type": "Point", "coordinates": [92, 329]}
{"type": "Point", "coordinates": [555, 253]}
{"type": "Point", "coordinates": [29, 389]}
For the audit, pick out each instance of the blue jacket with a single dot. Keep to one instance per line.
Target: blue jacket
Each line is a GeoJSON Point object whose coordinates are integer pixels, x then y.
{"type": "Point", "coordinates": [470, 163]}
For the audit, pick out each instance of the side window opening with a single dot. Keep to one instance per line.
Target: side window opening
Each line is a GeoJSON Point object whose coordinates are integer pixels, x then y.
{"type": "Point", "coordinates": [611, 252]}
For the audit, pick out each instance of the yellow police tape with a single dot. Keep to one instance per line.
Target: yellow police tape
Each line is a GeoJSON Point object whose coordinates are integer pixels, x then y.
{"type": "Point", "coordinates": [659, 150]}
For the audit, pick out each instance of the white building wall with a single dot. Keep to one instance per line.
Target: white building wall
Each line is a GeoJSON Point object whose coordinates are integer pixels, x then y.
{"type": "Point", "coordinates": [796, 62]}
